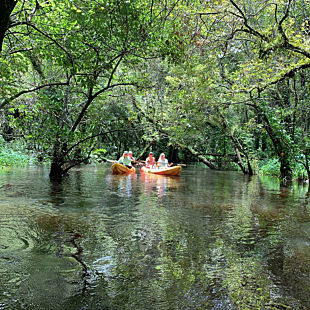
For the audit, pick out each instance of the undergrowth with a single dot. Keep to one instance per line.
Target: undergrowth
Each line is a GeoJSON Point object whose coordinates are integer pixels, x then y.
{"type": "Point", "coordinates": [14, 154]}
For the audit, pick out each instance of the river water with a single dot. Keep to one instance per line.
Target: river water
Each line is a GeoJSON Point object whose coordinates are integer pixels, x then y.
{"type": "Point", "coordinates": [203, 240]}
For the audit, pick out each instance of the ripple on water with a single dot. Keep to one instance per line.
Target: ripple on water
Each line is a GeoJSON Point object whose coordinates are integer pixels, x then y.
{"type": "Point", "coordinates": [14, 237]}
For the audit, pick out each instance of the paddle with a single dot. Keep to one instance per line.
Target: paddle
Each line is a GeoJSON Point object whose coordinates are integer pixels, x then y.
{"type": "Point", "coordinates": [138, 162]}
{"type": "Point", "coordinates": [115, 161]}
{"type": "Point", "coordinates": [183, 165]}
{"type": "Point", "coordinates": [110, 160]}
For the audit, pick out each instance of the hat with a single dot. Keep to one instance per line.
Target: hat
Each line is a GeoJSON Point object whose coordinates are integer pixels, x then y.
{"type": "Point", "coordinates": [130, 152]}
{"type": "Point", "coordinates": [126, 152]}
{"type": "Point", "coordinates": [162, 154]}
{"type": "Point", "coordinates": [151, 153]}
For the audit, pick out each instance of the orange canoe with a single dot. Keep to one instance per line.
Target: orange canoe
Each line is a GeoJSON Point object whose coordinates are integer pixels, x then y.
{"type": "Point", "coordinates": [118, 168]}
{"type": "Point", "coordinates": [163, 171]}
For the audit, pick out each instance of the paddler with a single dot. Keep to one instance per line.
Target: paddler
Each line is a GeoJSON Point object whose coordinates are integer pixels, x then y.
{"type": "Point", "coordinates": [125, 160]}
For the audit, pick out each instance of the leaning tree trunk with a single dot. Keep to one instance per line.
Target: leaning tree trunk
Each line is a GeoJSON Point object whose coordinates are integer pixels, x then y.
{"type": "Point", "coordinates": [145, 150]}
{"type": "Point", "coordinates": [240, 162]}
{"type": "Point", "coordinates": [236, 148]}
{"type": "Point", "coordinates": [198, 156]}
{"type": "Point", "coordinates": [250, 170]}
{"type": "Point", "coordinates": [6, 8]}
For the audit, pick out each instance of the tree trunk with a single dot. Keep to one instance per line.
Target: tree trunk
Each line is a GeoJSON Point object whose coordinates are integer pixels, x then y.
{"type": "Point", "coordinates": [198, 156]}
{"type": "Point", "coordinates": [282, 152]}
{"type": "Point", "coordinates": [57, 166]}
{"type": "Point", "coordinates": [56, 171]}
{"type": "Point", "coordinates": [235, 146]}
{"type": "Point", "coordinates": [250, 170]}
{"type": "Point", "coordinates": [240, 163]}
{"type": "Point", "coordinates": [264, 143]}
{"type": "Point", "coordinates": [6, 8]}
{"type": "Point", "coordinates": [144, 151]}
{"type": "Point", "coordinates": [173, 155]}
{"type": "Point", "coordinates": [285, 169]}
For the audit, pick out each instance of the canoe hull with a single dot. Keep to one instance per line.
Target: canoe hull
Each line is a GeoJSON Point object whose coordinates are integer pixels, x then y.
{"type": "Point", "coordinates": [164, 171]}
{"type": "Point", "coordinates": [118, 168]}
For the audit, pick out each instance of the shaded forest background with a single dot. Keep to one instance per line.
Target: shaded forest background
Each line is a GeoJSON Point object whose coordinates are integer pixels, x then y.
{"type": "Point", "coordinates": [225, 82]}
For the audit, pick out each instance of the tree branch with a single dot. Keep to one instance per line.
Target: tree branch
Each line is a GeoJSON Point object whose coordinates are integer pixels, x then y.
{"type": "Point", "coordinates": [47, 36]}
{"type": "Point", "coordinates": [94, 136]}
{"type": "Point", "coordinates": [92, 96]}
{"type": "Point", "coordinates": [7, 101]}
{"type": "Point", "coordinates": [245, 21]}
{"type": "Point", "coordinates": [288, 74]}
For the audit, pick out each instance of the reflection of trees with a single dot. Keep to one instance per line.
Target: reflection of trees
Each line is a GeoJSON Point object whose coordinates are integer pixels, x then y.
{"type": "Point", "coordinates": [203, 257]}
{"type": "Point", "coordinates": [57, 192]}
{"type": "Point", "coordinates": [46, 271]}
{"type": "Point", "coordinates": [195, 248]}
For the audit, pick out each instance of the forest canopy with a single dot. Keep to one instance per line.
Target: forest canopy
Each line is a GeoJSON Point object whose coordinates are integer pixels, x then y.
{"type": "Point", "coordinates": [221, 82]}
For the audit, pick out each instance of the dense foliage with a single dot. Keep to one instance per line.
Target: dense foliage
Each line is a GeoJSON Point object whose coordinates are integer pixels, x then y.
{"type": "Point", "coordinates": [222, 82]}
{"type": "Point", "coordinates": [15, 154]}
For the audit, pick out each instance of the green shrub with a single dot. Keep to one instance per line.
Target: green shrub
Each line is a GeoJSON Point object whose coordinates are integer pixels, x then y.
{"type": "Point", "coordinates": [299, 172]}
{"type": "Point", "coordinates": [270, 166]}
{"type": "Point", "coordinates": [14, 154]}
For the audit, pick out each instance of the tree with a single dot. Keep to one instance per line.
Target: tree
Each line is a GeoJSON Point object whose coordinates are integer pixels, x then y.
{"type": "Point", "coordinates": [79, 53]}
{"type": "Point", "coordinates": [253, 47]}
{"type": "Point", "coordinates": [6, 8]}
{"type": "Point", "coordinates": [272, 46]}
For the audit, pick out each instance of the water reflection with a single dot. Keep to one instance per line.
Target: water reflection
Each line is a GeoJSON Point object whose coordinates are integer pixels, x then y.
{"type": "Point", "coordinates": [122, 184]}
{"type": "Point", "coordinates": [158, 183]}
{"type": "Point", "coordinates": [203, 240]}
{"type": "Point", "coordinates": [57, 192]}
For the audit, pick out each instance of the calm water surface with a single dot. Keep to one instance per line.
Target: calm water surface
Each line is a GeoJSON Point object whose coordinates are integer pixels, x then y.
{"type": "Point", "coordinates": [203, 240]}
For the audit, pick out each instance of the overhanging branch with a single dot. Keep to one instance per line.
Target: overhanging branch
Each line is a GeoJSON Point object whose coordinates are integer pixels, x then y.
{"type": "Point", "coordinates": [26, 91]}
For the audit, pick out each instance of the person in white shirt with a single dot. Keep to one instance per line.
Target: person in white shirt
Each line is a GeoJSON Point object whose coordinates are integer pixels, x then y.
{"type": "Point", "coordinates": [163, 162]}
{"type": "Point", "coordinates": [130, 156]}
